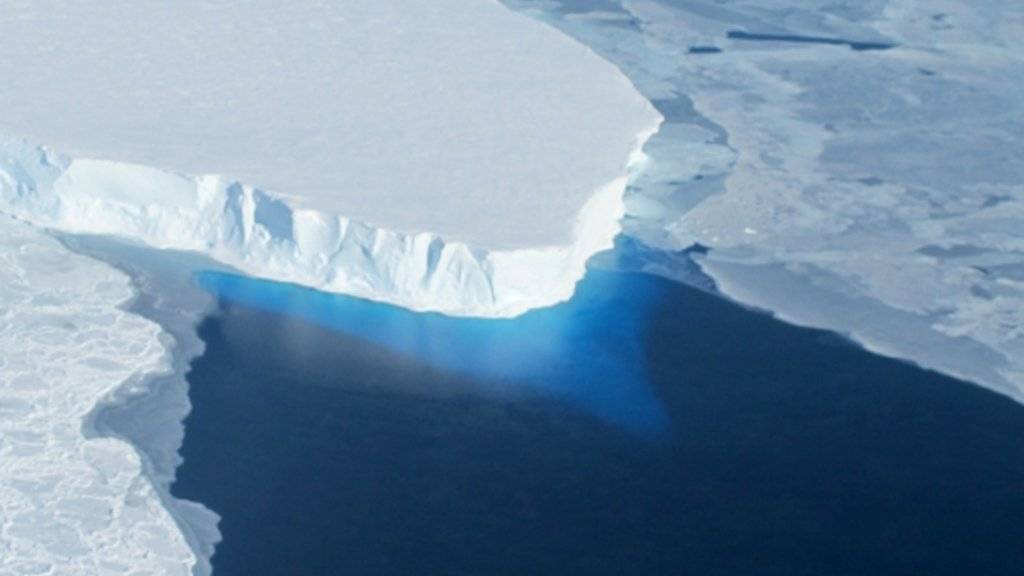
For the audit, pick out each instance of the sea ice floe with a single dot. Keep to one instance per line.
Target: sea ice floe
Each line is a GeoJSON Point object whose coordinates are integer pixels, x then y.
{"type": "Point", "coordinates": [865, 173]}
{"type": "Point", "coordinates": [72, 503]}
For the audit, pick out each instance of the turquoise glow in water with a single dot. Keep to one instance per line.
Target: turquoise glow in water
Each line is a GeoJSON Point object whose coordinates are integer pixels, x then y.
{"type": "Point", "coordinates": [744, 446]}
{"type": "Point", "coordinates": [583, 353]}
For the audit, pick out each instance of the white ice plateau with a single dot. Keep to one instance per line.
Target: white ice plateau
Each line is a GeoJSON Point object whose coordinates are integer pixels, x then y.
{"type": "Point", "coordinates": [448, 155]}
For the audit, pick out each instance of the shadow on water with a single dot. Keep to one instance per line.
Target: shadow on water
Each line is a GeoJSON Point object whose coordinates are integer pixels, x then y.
{"type": "Point", "coordinates": [336, 436]}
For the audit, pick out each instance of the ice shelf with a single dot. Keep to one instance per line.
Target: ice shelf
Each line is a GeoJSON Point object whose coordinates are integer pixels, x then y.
{"type": "Point", "coordinates": [448, 155]}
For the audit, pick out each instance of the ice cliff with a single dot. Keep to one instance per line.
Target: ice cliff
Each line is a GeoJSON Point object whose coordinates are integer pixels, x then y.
{"type": "Point", "coordinates": [263, 235]}
{"type": "Point", "coordinates": [450, 156]}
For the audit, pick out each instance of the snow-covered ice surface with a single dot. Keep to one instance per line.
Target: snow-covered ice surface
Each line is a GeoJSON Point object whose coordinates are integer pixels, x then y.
{"type": "Point", "coordinates": [71, 502]}
{"type": "Point", "coordinates": [876, 192]}
{"type": "Point", "coordinates": [449, 155]}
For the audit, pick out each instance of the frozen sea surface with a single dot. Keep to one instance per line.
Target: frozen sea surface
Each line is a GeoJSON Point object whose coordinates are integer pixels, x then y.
{"type": "Point", "coordinates": [72, 502]}
{"type": "Point", "coordinates": [878, 193]}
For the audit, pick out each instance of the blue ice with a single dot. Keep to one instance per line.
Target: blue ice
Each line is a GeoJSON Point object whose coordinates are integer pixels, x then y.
{"type": "Point", "coordinates": [587, 353]}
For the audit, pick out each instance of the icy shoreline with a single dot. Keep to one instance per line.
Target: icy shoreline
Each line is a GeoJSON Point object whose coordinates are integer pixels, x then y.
{"type": "Point", "coordinates": [150, 413]}
{"type": "Point", "coordinates": [73, 501]}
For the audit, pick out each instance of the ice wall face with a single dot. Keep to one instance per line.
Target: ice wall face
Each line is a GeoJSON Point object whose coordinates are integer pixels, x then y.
{"type": "Point", "coordinates": [262, 234]}
{"type": "Point", "coordinates": [71, 504]}
{"type": "Point", "coordinates": [875, 192]}
{"type": "Point", "coordinates": [450, 155]}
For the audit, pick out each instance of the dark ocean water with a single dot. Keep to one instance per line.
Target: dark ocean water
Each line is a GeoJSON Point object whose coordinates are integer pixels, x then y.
{"type": "Point", "coordinates": [645, 427]}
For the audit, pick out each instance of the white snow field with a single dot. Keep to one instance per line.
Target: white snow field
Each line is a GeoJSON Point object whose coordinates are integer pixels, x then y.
{"type": "Point", "coordinates": [449, 155]}
{"type": "Point", "coordinates": [878, 193]}
{"type": "Point", "coordinates": [72, 504]}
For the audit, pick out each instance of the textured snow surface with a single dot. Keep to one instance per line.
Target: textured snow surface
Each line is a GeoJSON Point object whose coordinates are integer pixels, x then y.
{"type": "Point", "coordinates": [70, 504]}
{"type": "Point", "coordinates": [878, 193]}
{"type": "Point", "coordinates": [395, 150]}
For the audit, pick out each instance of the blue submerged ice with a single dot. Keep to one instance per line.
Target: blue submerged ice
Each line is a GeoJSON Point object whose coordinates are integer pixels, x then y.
{"type": "Point", "coordinates": [585, 353]}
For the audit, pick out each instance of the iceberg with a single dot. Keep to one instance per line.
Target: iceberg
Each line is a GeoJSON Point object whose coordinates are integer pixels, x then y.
{"type": "Point", "coordinates": [451, 156]}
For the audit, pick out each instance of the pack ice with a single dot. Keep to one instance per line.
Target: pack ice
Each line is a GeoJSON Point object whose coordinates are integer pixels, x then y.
{"type": "Point", "coordinates": [71, 502]}
{"type": "Point", "coordinates": [854, 166]}
{"type": "Point", "coordinates": [447, 155]}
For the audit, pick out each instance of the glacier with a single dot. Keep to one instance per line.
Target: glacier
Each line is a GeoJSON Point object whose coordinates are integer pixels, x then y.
{"type": "Point", "coordinates": [450, 156]}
